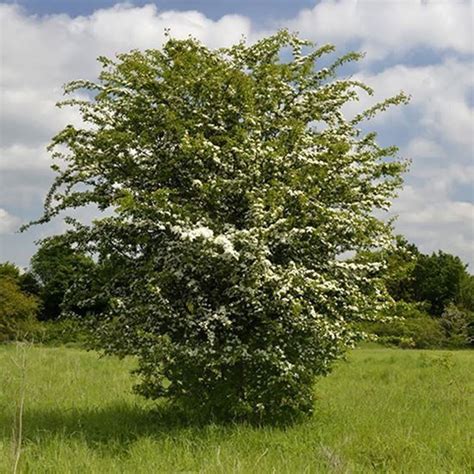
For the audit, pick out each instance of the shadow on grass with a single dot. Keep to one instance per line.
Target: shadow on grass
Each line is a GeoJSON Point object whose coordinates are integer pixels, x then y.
{"type": "Point", "coordinates": [113, 427]}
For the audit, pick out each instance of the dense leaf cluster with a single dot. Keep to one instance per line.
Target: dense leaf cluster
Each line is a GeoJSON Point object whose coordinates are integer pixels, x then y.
{"type": "Point", "coordinates": [56, 266]}
{"type": "Point", "coordinates": [433, 299]}
{"type": "Point", "coordinates": [18, 307]}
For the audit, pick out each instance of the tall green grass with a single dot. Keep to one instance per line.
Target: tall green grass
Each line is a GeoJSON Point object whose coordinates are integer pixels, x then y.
{"type": "Point", "coordinates": [382, 410]}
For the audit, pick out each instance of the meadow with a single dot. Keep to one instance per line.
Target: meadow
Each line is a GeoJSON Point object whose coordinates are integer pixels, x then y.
{"type": "Point", "coordinates": [381, 410]}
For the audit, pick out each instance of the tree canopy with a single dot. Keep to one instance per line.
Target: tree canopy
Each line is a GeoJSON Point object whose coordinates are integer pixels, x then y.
{"type": "Point", "coordinates": [17, 309]}
{"type": "Point", "coordinates": [236, 185]}
{"type": "Point", "coordinates": [57, 267]}
{"type": "Point", "coordinates": [437, 279]}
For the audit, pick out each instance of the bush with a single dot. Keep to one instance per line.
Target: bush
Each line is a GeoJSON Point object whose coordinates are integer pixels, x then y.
{"type": "Point", "coordinates": [17, 312]}
{"type": "Point", "coordinates": [67, 332]}
{"type": "Point", "coordinates": [235, 183]}
{"type": "Point", "coordinates": [457, 324]}
{"type": "Point", "coordinates": [408, 326]}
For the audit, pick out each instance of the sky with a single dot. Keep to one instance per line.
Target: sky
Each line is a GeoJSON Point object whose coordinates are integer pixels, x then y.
{"type": "Point", "coordinates": [423, 47]}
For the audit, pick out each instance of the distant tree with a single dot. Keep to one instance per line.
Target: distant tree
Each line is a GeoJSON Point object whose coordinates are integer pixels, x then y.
{"type": "Point", "coordinates": [465, 302]}
{"type": "Point", "coordinates": [25, 280]}
{"type": "Point", "coordinates": [29, 284]}
{"type": "Point", "coordinates": [455, 322]}
{"type": "Point", "coordinates": [17, 309]}
{"type": "Point", "coordinates": [465, 296]}
{"type": "Point", "coordinates": [235, 184]}
{"type": "Point", "coordinates": [401, 262]}
{"type": "Point", "coordinates": [438, 279]}
{"type": "Point", "coordinates": [9, 270]}
{"type": "Point", "coordinates": [438, 284]}
{"type": "Point", "coordinates": [56, 265]}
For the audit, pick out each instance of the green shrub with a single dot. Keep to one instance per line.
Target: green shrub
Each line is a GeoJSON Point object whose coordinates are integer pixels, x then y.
{"type": "Point", "coordinates": [457, 324]}
{"type": "Point", "coordinates": [408, 326]}
{"type": "Point", "coordinates": [66, 332]}
{"type": "Point", "coordinates": [17, 312]}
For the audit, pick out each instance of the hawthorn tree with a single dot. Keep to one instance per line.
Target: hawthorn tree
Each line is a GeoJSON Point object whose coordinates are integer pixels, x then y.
{"type": "Point", "coordinates": [235, 184]}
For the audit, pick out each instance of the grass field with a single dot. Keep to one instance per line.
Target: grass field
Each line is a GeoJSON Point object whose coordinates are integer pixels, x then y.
{"type": "Point", "coordinates": [382, 410]}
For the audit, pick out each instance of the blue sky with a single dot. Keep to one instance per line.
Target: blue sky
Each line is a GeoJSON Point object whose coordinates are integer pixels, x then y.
{"type": "Point", "coordinates": [261, 11]}
{"type": "Point", "coordinates": [423, 47]}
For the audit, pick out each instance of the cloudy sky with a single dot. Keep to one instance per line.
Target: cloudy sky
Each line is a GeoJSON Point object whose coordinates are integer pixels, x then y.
{"type": "Point", "coordinates": [422, 47]}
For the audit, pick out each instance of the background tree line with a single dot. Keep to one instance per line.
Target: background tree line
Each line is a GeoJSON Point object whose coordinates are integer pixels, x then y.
{"type": "Point", "coordinates": [32, 302]}
{"type": "Point", "coordinates": [433, 299]}
{"type": "Point", "coordinates": [433, 296]}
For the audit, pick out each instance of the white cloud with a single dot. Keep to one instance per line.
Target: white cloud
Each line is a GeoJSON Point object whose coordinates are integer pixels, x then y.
{"type": "Point", "coordinates": [57, 48]}
{"type": "Point", "coordinates": [17, 122]}
{"type": "Point", "coordinates": [438, 95]}
{"type": "Point", "coordinates": [21, 157]}
{"type": "Point", "coordinates": [8, 223]}
{"type": "Point", "coordinates": [25, 175]}
{"type": "Point", "coordinates": [390, 27]}
{"type": "Point", "coordinates": [432, 211]}
{"type": "Point", "coordinates": [428, 216]}
{"type": "Point", "coordinates": [424, 148]}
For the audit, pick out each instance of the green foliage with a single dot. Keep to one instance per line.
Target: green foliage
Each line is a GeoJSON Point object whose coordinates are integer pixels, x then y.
{"type": "Point", "coordinates": [465, 296]}
{"type": "Point", "coordinates": [58, 267]}
{"type": "Point", "coordinates": [465, 302]}
{"type": "Point", "coordinates": [9, 270]}
{"type": "Point", "coordinates": [234, 184]}
{"type": "Point", "coordinates": [408, 326]}
{"type": "Point", "coordinates": [433, 283]}
{"type": "Point", "coordinates": [437, 280]}
{"type": "Point", "coordinates": [401, 261]}
{"type": "Point", "coordinates": [29, 284]}
{"type": "Point", "coordinates": [26, 280]}
{"type": "Point", "coordinates": [67, 332]}
{"type": "Point", "coordinates": [456, 324]}
{"type": "Point", "coordinates": [17, 310]}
